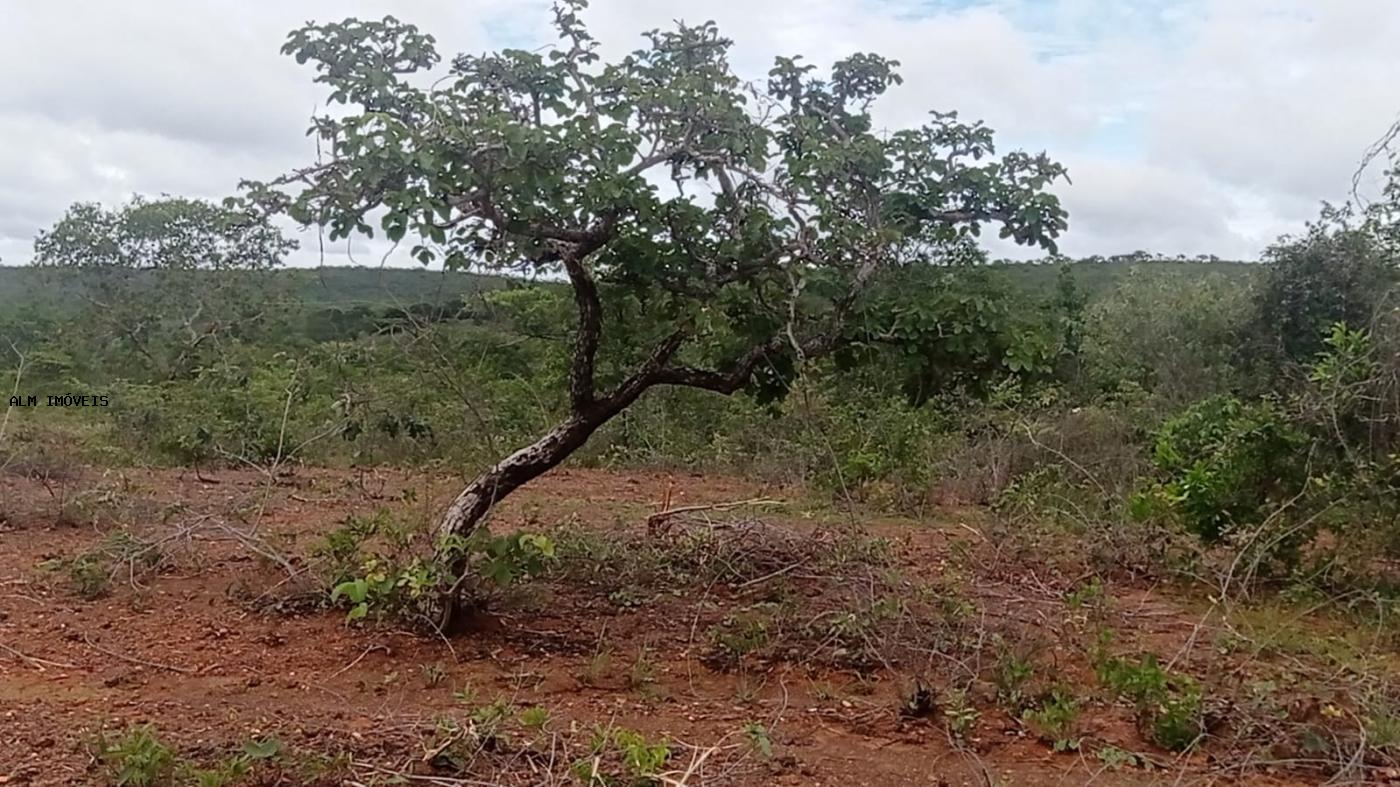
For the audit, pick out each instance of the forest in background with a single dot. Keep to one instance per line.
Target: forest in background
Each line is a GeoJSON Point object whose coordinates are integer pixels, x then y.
{"type": "Point", "coordinates": [1142, 509]}
{"type": "Point", "coordinates": [1095, 392]}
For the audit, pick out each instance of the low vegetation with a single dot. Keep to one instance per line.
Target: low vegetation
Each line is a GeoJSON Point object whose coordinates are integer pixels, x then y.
{"type": "Point", "coordinates": [1142, 513]}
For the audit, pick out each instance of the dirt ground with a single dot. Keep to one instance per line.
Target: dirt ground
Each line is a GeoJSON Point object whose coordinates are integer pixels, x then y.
{"type": "Point", "coordinates": [193, 649]}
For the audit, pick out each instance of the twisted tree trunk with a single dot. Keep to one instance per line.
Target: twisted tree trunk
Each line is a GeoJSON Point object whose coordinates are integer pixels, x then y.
{"type": "Point", "coordinates": [469, 509]}
{"type": "Point", "coordinates": [472, 503]}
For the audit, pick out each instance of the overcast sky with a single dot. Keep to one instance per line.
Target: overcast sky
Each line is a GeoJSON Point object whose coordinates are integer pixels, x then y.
{"type": "Point", "coordinates": [1188, 126]}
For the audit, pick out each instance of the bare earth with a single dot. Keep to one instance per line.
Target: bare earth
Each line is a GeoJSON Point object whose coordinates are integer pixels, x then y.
{"type": "Point", "coordinates": [193, 650]}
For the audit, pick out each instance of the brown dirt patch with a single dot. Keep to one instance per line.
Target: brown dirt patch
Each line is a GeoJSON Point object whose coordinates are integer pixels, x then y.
{"type": "Point", "coordinates": [182, 648]}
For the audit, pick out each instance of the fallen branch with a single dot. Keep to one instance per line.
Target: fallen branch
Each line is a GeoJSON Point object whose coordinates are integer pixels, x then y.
{"type": "Point", "coordinates": [441, 781]}
{"type": "Point", "coordinates": [35, 661]}
{"type": "Point", "coordinates": [772, 575]}
{"type": "Point", "coordinates": [656, 520]}
{"type": "Point", "coordinates": [358, 659]}
{"type": "Point", "coordinates": [683, 780]}
{"type": "Point", "coordinates": [259, 547]}
{"type": "Point", "coordinates": [132, 659]}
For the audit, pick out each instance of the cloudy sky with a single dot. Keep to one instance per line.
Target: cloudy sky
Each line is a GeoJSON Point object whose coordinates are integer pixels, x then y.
{"type": "Point", "coordinates": [1188, 126]}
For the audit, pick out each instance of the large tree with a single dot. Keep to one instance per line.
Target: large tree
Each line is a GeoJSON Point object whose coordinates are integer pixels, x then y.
{"type": "Point", "coordinates": [166, 278]}
{"type": "Point", "coordinates": [749, 219]}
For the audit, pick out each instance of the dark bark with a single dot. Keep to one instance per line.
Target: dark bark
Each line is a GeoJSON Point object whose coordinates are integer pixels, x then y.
{"type": "Point", "coordinates": [509, 474]}
{"type": "Point", "coordinates": [590, 329]}
{"type": "Point", "coordinates": [469, 509]}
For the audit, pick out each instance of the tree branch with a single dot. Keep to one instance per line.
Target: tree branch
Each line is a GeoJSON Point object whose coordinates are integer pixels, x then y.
{"type": "Point", "coordinates": [647, 374]}
{"type": "Point", "coordinates": [722, 382]}
{"type": "Point", "coordinates": [970, 214]}
{"type": "Point", "coordinates": [590, 332]}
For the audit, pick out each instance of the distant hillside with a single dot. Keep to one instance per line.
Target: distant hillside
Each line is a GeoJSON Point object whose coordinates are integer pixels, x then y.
{"type": "Point", "coordinates": [344, 287]}
{"type": "Point", "coordinates": [18, 286]}
{"type": "Point", "coordinates": [1094, 277]}
{"type": "Point", "coordinates": [387, 286]}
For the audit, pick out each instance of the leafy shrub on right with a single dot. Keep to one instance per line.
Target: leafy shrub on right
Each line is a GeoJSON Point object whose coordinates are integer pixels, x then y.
{"type": "Point", "coordinates": [1228, 465]}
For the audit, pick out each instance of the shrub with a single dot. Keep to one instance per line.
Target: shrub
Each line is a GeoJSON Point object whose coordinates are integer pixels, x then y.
{"type": "Point", "coordinates": [1168, 705]}
{"type": "Point", "coordinates": [389, 586]}
{"type": "Point", "coordinates": [137, 758]}
{"type": "Point", "coordinates": [1334, 272]}
{"type": "Point", "coordinates": [1055, 720]}
{"type": "Point", "coordinates": [641, 759]}
{"type": "Point", "coordinates": [1172, 333]}
{"type": "Point", "coordinates": [1226, 462]}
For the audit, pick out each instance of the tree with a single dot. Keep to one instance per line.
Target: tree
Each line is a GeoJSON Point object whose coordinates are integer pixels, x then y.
{"type": "Point", "coordinates": [1175, 334]}
{"type": "Point", "coordinates": [166, 277]}
{"type": "Point", "coordinates": [1340, 270]}
{"type": "Point", "coordinates": [748, 219]}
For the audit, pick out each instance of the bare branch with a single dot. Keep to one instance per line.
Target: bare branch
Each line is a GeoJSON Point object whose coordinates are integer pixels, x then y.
{"type": "Point", "coordinates": [647, 374]}
{"type": "Point", "coordinates": [723, 382]}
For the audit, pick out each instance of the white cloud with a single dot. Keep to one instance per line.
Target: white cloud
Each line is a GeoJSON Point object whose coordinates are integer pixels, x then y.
{"type": "Point", "coordinates": [1121, 206]}
{"type": "Point", "coordinates": [1190, 126]}
{"type": "Point", "coordinates": [1280, 99]}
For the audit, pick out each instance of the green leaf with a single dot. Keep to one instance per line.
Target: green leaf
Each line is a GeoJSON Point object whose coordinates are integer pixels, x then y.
{"type": "Point", "coordinates": [356, 590]}
{"type": "Point", "coordinates": [264, 749]}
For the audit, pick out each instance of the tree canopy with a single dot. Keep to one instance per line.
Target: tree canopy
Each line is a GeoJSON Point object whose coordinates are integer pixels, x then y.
{"type": "Point", "coordinates": [747, 221]}
{"type": "Point", "coordinates": [750, 217]}
{"type": "Point", "coordinates": [170, 233]}
{"type": "Point", "coordinates": [194, 260]}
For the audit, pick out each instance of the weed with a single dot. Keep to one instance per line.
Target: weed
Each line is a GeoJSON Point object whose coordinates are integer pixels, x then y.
{"type": "Point", "coordinates": [224, 774]}
{"type": "Point", "coordinates": [235, 769]}
{"type": "Point", "coordinates": [1143, 682]}
{"type": "Point", "coordinates": [643, 674]}
{"type": "Point", "coordinates": [640, 759]}
{"type": "Point", "coordinates": [433, 674]}
{"type": "Point", "coordinates": [599, 667]}
{"type": "Point", "coordinates": [855, 548]}
{"type": "Point", "coordinates": [1383, 730]}
{"type": "Point", "coordinates": [959, 713]}
{"type": "Point", "coordinates": [1090, 594]}
{"type": "Point", "coordinates": [739, 635]}
{"type": "Point", "coordinates": [1013, 672]}
{"type": "Point", "coordinates": [137, 758]}
{"type": "Point", "coordinates": [89, 576]}
{"type": "Point", "coordinates": [1168, 706]}
{"type": "Point", "coordinates": [265, 749]}
{"type": "Point", "coordinates": [746, 690]}
{"type": "Point", "coordinates": [316, 767]}
{"type": "Point", "coordinates": [453, 746]}
{"type": "Point", "coordinates": [1055, 720]}
{"type": "Point", "coordinates": [1176, 720]}
{"type": "Point", "coordinates": [535, 718]}
{"type": "Point", "coordinates": [342, 547]}
{"type": "Point", "coordinates": [488, 721]}
{"type": "Point", "coordinates": [1115, 758]}
{"type": "Point", "coordinates": [628, 597]}
{"type": "Point", "coordinates": [758, 737]}
{"type": "Point", "coordinates": [465, 695]}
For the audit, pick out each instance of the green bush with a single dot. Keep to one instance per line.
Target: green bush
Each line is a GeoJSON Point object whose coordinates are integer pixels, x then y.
{"type": "Point", "coordinates": [1172, 333]}
{"type": "Point", "coordinates": [388, 585]}
{"type": "Point", "coordinates": [1227, 464]}
{"type": "Point", "coordinates": [1168, 705]}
